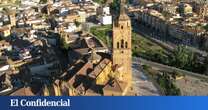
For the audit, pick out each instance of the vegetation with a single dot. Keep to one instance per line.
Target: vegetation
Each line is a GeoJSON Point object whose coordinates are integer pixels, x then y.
{"type": "Point", "coordinates": [167, 86]}
{"type": "Point", "coordinates": [115, 6]}
{"type": "Point", "coordinates": [206, 27]}
{"type": "Point", "coordinates": [63, 44]}
{"type": "Point", "coordinates": [17, 2]}
{"type": "Point", "coordinates": [175, 74]}
{"type": "Point", "coordinates": [43, 1]}
{"type": "Point", "coordinates": [130, 1]}
{"type": "Point", "coordinates": [103, 33]}
{"type": "Point", "coordinates": [144, 48]}
{"type": "Point", "coordinates": [77, 23]}
{"type": "Point", "coordinates": [206, 64]}
{"type": "Point", "coordinates": [139, 44]}
{"type": "Point", "coordinates": [163, 80]}
{"type": "Point", "coordinates": [100, 1]}
{"type": "Point", "coordinates": [9, 1]}
{"type": "Point", "coordinates": [181, 57]}
{"type": "Point", "coordinates": [146, 67]}
{"type": "Point", "coordinates": [185, 59]}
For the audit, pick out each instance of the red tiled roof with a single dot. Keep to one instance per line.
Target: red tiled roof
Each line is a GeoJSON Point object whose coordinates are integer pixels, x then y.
{"type": "Point", "coordinates": [25, 91]}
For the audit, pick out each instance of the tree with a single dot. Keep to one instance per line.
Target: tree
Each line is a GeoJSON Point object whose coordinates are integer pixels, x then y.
{"type": "Point", "coordinates": [63, 44]}
{"type": "Point", "coordinates": [100, 1]}
{"type": "Point", "coordinates": [186, 59]}
{"type": "Point", "coordinates": [206, 27]}
{"type": "Point", "coordinates": [115, 6]}
{"type": "Point", "coordinates": [206, 64]}
{"type": "Point", "coordinates": [130, 1]}
{"type": "Point", "coordinates": [43, 1]}
{"type": "Point", "coordinates": [166, 84]}
{"type": "Point", "coordinates": [182, 57]}
{"type": "Point", "coordinates": [18, 2]}
{"type": "Point", "coordinates": [77, 23]}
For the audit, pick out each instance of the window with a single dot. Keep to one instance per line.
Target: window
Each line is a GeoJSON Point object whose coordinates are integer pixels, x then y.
{"type": "Point", "coordinates": [117, 44]}
{"type": "Point", "coordinates": [121, 27]}
{"type": "Point", "coordinates": [122, 43]}
{"type": "Point", "coordinates": [126, 45]}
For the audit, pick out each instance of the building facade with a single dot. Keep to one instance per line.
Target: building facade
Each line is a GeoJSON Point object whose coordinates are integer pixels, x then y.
{"type": "Point", "coordinates": [122, 45]}
{"type": "Point", "coordinates": [12, 17]}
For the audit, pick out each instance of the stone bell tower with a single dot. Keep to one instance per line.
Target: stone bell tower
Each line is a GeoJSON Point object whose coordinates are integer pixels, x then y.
{"type": "Point", "coordinates": [121, 50]}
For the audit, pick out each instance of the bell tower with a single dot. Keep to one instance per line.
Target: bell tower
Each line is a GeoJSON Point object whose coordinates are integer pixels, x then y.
{"type": "Point", "coordinates": [121, 49]}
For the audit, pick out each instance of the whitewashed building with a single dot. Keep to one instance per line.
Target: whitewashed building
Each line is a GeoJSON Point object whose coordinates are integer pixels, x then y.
{"type": "Point", "coordinates": [106, 20]}
{"type": "Point", "coordinates": [105, 16]}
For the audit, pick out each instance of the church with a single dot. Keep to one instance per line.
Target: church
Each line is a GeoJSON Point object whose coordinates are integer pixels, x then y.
{"type": "Point", "coordinates": [101, 74]}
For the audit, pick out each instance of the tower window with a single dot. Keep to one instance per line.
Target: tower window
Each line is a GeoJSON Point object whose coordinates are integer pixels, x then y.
{"type": "Point", "coordinates": [126, 45]}
{"type": "Point", "coordinates": [117, 44]}
{"type": "Point", "coordinates": [121, 27]}
{"type": "Point", "coordinates": [122, 43]}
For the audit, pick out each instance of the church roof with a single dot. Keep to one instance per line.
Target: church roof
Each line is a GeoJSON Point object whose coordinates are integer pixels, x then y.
{"type": "Point", "coordinates": [115, 86]}
{"type": "Point", "coordinates": [25, 91]}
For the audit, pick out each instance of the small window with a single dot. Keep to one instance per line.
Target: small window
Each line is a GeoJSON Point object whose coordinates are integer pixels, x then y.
{"type": "Point", "coordinates": [121, 27]}
{"type": "Point", "coordinates": [117, 44]}
{"type": "Point", "coordinates": [122, 43]}
{"type": "Point", "coordinates": [126, 45]}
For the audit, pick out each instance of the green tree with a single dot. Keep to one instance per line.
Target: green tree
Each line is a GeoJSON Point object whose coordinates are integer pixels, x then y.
{"type": "Point", "coordinates": [186, 59]}
{"type": "Point", "coordinates": [77, 23]}
{"type": "Point", "coordinates": [167, 86]}
{"type": "Point", "coordinates": [182, 57]}
{"type": "Point", "coordinates": [63, 44]}
{"type": "Point", "coordinates": [206, 27]}
{"type": "Point", "coordinates": [102, 33]}
{"type": "Point", "coordinates": [206, 65]}
{"type": "Point", "coordinates": [43, 1]}
{"type": "Point", "coordinates": [18, 2]}
{"type": "Point", "coordinates": [100, 1]}
{"type": "Point", "coordinates": [115, 6]}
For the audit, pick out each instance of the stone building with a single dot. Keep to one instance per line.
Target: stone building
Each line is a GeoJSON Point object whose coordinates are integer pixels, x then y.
{"type": "Point", "coordinates": [12, 17]}
{"type": "Point", "coordinates": [121, 55]}
{"type": "Point", "coordinates": [170, 28]}
{"type": "Point", "coordinates": [153, 20]}
{"type": "Point", "coordinates": [5, 31]}
{"type": "Point", "coordinates": [200, 8]}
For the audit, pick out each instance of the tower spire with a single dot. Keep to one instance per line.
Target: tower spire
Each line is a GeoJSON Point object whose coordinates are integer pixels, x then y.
{"type": "Point", "coordinates": [122, 8]}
